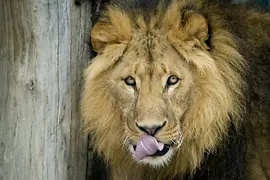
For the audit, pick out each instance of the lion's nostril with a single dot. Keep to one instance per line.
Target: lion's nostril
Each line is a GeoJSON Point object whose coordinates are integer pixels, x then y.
{"type": "Point", "coordinates": [151, 129]}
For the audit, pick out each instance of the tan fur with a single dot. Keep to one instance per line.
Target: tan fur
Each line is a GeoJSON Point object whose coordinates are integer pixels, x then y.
{"type": "Point", "coordinates": [211, 89]}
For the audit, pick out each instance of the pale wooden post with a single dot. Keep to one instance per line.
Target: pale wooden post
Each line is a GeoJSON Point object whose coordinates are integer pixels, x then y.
{"type": "Point", "coordinates": [43, 48]}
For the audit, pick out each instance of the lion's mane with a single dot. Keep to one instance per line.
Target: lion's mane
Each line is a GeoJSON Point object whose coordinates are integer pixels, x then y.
{"type": "Point", "coordinates": [221, 105]}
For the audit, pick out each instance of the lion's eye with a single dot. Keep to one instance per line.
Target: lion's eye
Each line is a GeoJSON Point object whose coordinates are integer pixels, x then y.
{"type": "Point", "coordinates": [130, 81]}
{"type": "Point", "coordinates": [172, 80]}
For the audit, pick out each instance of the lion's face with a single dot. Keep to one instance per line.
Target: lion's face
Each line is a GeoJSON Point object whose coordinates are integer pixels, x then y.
{"type": "Point", "coordinates": [152, 89]}
{"type": "Point", "coordinates": [159, 76]}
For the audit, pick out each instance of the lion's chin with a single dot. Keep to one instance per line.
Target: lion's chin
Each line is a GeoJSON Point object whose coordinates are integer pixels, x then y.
{"type": "Point", "coordinates": [154, 161]}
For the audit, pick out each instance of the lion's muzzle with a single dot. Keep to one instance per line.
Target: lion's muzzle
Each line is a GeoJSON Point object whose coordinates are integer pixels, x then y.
{"type": "Point", "coordinates": [151, 129]}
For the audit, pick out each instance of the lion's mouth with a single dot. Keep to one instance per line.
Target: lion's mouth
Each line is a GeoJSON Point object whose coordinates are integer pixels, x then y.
{"type": "Point", "coordinates": [158, 153]}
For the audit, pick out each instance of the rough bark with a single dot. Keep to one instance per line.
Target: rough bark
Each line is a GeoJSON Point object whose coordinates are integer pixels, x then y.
{"type": "Point", "coordinates": [44, 46]}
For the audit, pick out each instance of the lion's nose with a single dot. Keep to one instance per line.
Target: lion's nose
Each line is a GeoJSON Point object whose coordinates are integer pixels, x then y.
{"type": "Point", "coordinates": [151, 129]}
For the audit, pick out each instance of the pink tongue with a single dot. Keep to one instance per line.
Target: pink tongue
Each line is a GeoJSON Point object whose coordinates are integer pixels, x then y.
{"type": "Point", "coordinates": [146, 146]}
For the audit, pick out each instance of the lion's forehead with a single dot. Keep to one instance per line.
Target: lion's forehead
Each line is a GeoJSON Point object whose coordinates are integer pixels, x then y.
{"type": "Point", "coordinates": [151, 55]}
{"type": "Point", "coordinates": [143, 66]}
{"type": "Point", "coordinates": [151, 45]}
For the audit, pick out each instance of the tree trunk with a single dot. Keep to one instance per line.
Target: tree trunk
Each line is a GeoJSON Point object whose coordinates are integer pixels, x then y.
{"type": "Point", "coordinates": [44, 46]}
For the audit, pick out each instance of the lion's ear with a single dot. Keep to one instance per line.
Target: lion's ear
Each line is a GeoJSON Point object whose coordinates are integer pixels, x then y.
{"type": "Point", "coordinates": [196, 25]}
{"type": "Point", "coordinates": [100, 36]}
{"type": "Point", "coordinates": [113, 28]}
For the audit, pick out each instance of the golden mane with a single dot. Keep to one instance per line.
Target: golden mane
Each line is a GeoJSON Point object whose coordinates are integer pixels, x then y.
{"type": "Point", "coordinates": [216, 106]}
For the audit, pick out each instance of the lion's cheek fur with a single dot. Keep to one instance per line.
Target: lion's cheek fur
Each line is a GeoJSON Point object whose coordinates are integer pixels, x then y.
{"type": "Point", "coordinates": [102, 118]}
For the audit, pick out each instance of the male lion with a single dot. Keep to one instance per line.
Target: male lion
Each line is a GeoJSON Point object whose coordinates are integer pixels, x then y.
{"type": "Point", "coordinates": [191, 74]}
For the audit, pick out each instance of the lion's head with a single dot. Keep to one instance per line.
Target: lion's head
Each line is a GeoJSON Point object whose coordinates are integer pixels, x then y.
{"type": "Point", "coordinates": [161, 73]}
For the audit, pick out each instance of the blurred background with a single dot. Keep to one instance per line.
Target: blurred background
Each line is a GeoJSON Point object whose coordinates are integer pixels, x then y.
{"type": "Point", "coordinates": [263, 3]}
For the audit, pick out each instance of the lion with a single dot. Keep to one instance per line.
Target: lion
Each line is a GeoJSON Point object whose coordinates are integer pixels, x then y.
{"type": "Point", "coordinates": [192, 75]}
